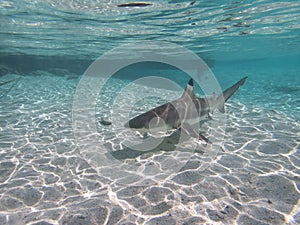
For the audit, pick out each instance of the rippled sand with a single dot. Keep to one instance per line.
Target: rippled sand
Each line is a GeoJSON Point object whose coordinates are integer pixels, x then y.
{"type": "Point", "coordinates": [45, 178]}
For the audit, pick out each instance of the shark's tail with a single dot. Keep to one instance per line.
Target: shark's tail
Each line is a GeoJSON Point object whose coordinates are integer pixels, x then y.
{"type": "Point", "coordinates": [228, 93]}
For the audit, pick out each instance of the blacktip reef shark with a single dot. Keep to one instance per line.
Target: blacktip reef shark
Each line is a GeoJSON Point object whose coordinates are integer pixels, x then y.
{"type": "Point", "coordinates": [178, 114]}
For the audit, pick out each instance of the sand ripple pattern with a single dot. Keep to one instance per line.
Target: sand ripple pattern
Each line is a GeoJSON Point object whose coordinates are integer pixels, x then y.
{"type": "Point", "coordinates": [44, 179]}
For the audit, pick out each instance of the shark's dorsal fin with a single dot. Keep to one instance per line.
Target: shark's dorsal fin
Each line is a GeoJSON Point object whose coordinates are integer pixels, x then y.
{"type": "Point", "coordinates": [189, 89]}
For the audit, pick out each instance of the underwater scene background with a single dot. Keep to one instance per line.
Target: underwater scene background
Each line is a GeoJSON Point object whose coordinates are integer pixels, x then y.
{"type": "Point", "coordinates": [46, 177]}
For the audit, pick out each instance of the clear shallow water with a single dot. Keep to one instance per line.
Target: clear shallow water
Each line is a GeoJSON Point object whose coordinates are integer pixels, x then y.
{"type": "Point", "coordinates": [220, 29]}
{"type": "Point", "coordinates": [47, 45]}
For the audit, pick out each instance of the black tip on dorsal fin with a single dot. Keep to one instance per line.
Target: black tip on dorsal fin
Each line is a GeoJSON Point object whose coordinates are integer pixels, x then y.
{"type": "Point", "coordinates": [189, 89]}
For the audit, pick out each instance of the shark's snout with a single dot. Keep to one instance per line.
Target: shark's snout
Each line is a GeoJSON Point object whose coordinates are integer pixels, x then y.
{"type": "Point", "coordinates": [127, 125]}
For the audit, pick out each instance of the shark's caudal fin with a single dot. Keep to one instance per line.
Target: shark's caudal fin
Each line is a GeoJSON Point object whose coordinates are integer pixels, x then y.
{"type": "Point", "coordinates": [228, 93]}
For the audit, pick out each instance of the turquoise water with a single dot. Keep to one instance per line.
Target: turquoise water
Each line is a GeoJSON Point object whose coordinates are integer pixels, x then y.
{"type": "Point", "coordinates": [46, 177]}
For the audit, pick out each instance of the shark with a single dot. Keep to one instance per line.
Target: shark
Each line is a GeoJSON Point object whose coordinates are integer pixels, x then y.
{"type": "Point", "coordinates": [182, 113]}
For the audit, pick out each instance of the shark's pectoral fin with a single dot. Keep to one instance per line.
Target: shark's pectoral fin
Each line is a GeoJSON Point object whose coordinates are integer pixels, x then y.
{"type": "Point", "coordinates": [190, 131]}
{"type": "Point", "coordinates": [203, 138]}
{"type": "Point", "coordinates": [221, 108]}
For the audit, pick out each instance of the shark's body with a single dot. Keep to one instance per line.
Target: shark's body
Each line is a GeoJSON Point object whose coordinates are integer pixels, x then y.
{"type": "Point", "coordinates": [183, 112]}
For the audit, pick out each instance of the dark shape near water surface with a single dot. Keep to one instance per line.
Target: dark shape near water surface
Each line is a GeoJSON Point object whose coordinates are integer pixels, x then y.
{"type": "Point", "coordinates": [134, 4]}
{"type": "Point", "coordinates": [183, 112]}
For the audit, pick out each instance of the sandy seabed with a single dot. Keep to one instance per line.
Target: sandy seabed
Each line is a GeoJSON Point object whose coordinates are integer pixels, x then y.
{"type": "Point", "coordinates": [47, 179]}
